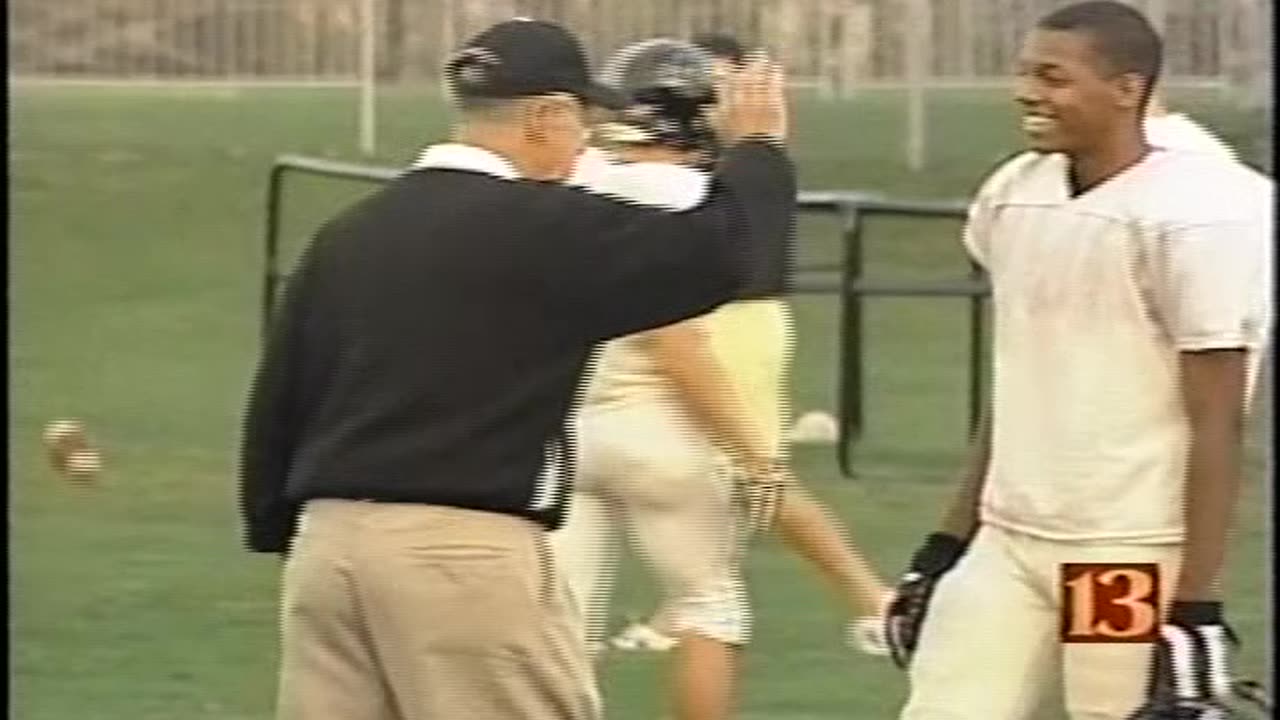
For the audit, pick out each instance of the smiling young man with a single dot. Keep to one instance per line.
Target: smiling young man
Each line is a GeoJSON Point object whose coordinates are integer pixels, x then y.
{"type": "Point", "coordinates": [1132, 295]}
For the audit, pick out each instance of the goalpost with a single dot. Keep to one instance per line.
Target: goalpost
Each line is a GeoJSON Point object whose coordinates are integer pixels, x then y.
{"type": "Point", "coordinates": [368, 104]}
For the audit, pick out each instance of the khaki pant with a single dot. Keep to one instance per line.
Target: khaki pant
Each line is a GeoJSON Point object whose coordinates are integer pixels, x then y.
{"type": "Point", "coordinates": [990, 647]}
{"type": "Point", "coordinates": [419, 612]}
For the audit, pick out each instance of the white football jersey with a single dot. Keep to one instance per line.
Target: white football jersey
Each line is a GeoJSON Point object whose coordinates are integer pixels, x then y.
{"type": "Point", "coordinates": [1175, 131]}
{"type": "Point", "coordinates": [1094, 298]}
{"type": "Point", "coordinates": [625, 371]}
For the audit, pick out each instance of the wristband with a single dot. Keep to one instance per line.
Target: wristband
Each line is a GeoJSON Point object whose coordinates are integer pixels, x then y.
{"type": "Point", "coordinates": [1196, 612]}
{"type": "Point", "coordinates": [938, 554]}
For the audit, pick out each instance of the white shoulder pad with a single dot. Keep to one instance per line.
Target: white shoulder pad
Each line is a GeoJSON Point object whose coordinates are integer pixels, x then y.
{"type": "Point", "coordinates": [1202, 188]}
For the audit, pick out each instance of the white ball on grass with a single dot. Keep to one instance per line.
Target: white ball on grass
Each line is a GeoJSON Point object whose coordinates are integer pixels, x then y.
{"type": "Point", "coordinates": [815, 428]}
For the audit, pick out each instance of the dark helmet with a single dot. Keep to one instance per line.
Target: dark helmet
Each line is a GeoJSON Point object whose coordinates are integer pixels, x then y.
{"type": "Point", "coordinates": [668, 85]}
{"type": "Point", "coordinates": [721, 45]}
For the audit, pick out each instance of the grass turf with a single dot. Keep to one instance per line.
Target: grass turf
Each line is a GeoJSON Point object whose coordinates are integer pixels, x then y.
{"type": "Point", "coordinates": [135, 246]}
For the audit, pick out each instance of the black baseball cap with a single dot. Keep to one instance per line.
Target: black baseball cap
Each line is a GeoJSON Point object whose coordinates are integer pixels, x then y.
{"type": "Point", "coordinates": [524, 57]}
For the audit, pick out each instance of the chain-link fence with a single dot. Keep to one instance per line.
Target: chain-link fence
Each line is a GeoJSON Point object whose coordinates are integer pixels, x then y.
{"type": "Point", "coordinates": [840, 44]}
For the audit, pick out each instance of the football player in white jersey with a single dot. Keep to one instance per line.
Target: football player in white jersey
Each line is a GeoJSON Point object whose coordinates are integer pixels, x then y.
{"type": "Point", "coordinates": [1131, 290]}
{"type": "Point", "coordinates": [1178, 131]}
{"type": "Point", "coordinates": [807, 525]}
{"type": "Point", "coordinates": [672, 416]}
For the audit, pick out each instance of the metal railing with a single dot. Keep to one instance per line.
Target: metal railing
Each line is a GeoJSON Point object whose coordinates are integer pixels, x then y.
{"type": "Point", "coordinates": [856, 287]}
{"type": "Point", "coordinates": [851, 208]}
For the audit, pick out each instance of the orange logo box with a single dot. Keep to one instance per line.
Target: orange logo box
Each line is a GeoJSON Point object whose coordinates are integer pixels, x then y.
{"type": "Point", "coordinates": [1110, 602]}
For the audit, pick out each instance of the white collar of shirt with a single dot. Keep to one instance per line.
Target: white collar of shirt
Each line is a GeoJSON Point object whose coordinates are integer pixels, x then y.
{"type": "Point", "coordinates": [661, 185]}
{"type": "Point", "coordinates": [470, 158]}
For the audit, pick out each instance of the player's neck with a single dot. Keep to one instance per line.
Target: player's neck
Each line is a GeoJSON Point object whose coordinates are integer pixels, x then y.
{"type": "Point", "coordinates": [1090, 169]}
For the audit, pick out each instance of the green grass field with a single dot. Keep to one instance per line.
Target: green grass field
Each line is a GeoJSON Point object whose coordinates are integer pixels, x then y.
{"type": "Point", "coordinates": [135, 258]}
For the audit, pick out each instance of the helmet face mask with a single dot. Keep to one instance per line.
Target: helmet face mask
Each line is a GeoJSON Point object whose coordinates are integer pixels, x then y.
{"type": "Point", "coordinates": [670, 86]}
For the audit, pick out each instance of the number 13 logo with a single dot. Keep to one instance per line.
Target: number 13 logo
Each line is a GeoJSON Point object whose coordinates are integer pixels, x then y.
{"type": "Point", "coordinates": [1110, 602]}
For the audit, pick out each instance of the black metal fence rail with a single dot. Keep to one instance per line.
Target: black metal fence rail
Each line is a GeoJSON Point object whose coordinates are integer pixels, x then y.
{"type": "Point", "coordinates": [846, 279]}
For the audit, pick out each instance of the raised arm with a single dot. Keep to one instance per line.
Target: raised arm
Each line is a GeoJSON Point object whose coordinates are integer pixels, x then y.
{"type": "Point", "coordinates": [644, 268]}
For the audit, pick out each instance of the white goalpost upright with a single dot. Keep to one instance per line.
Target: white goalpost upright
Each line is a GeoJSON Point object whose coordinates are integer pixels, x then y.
{"type": "Point", "coordinates": [368, 104]}
{"type": "Point", "coordinates": [918, 31]}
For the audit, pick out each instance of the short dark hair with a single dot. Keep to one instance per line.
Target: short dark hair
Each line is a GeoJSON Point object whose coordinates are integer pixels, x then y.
{"type": "Point", "coordinates": [722, 46]}
{"type": "Point", "coordinates": [1120, 34]}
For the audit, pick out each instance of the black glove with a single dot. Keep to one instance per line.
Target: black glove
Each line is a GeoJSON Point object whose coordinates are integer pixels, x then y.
{"type": "Point", "coordinates": [1191, 671]}
{"type": "Point", "coordinates": [1182, 710]}
{"type": "Point", "coordinates": [905, 615]}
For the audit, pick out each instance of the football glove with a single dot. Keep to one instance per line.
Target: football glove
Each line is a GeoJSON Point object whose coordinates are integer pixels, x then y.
{"type": "Point", "coordinates": [905, 615]}
{"type": "Point", "coordinates": [1254, 695]}
{"type": "Point", "coordinates": [1183, 710]}
{"type": "Point", "coordinates": [1249, 695]}
{"type": "Point", "coordinates": [760, 492]}
{"type": "Point", "coordinates": [1191, 673]}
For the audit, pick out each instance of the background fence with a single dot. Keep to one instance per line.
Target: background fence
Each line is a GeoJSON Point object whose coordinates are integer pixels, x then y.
{"type": "Point", "coordinates": [837, 46]}
{"type": "Point", "coordinates": [841, 44]}
{"type": "Point", "coordinates": [851, 284]}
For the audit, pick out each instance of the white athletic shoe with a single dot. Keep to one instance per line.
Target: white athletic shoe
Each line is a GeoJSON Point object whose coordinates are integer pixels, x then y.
{"type": "Point", "coordinates": [641, 637]}
{"type": "Point", "coordinates": [866, 634]}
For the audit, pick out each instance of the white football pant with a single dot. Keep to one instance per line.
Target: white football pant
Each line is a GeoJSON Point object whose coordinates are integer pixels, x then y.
{"type": "Point", "coordinates": [645, 472]}
{"type": "Point", "coordinates": [990, 647]}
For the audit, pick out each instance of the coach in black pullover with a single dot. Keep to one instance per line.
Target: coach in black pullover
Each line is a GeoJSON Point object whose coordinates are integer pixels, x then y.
{"type": "Point", "coordinates": [430, 342]}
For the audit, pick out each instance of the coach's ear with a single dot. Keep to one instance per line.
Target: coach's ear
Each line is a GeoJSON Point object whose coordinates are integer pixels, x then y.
{"type": "Point", "coordinates": [543, 117]}
{"type": "Point", "coordinates": [531, 119]}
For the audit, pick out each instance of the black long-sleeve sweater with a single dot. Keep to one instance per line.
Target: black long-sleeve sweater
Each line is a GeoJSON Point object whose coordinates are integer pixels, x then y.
{"type": "Point", "coordinates": [431, 340]}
